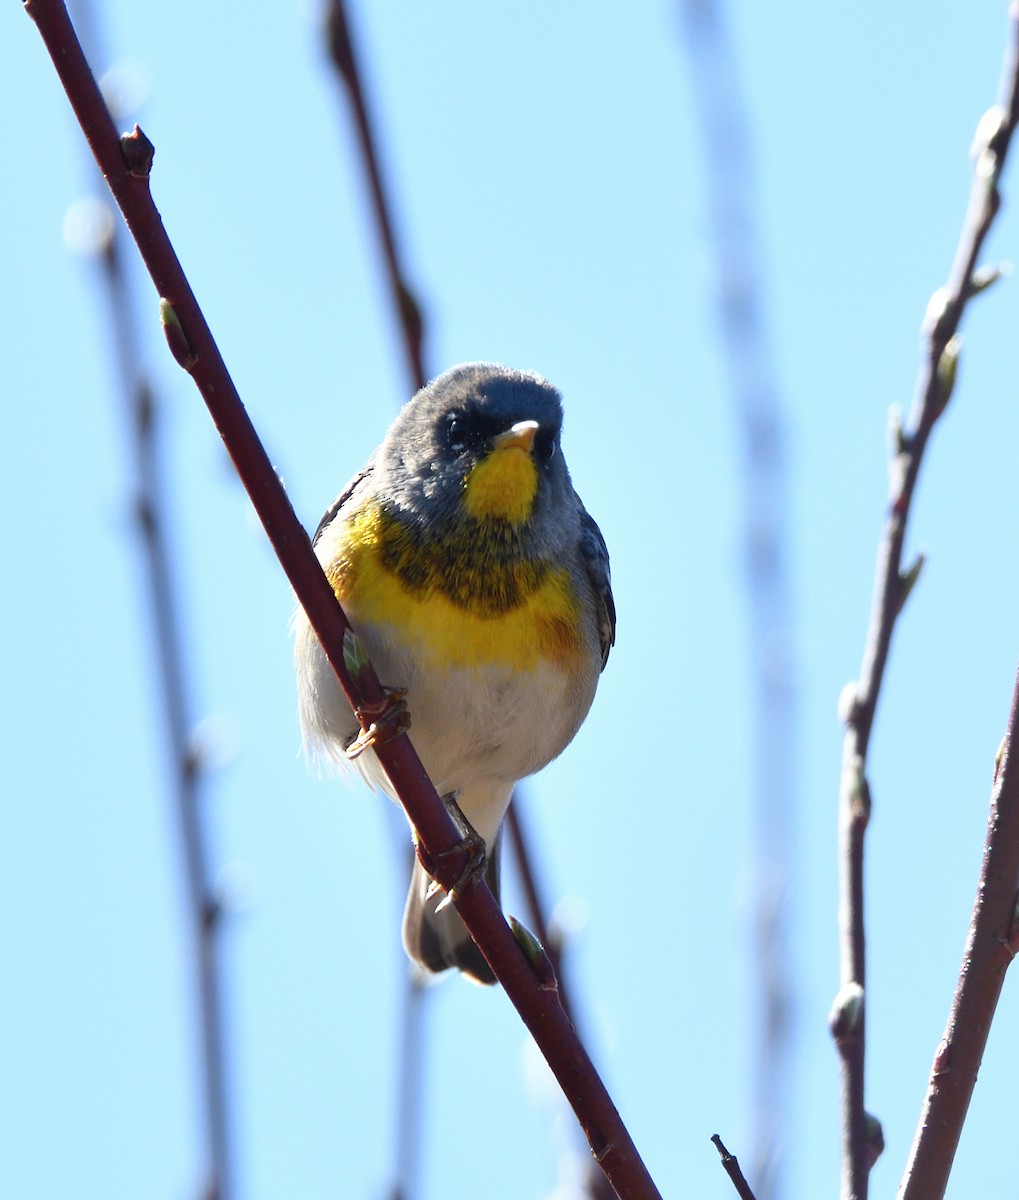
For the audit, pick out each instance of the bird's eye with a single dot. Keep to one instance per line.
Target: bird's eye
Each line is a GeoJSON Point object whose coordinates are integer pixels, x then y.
{"type": "Point", "coordinates": [544, 446]}
{"type": "Point", "coordinates": [458, 432]}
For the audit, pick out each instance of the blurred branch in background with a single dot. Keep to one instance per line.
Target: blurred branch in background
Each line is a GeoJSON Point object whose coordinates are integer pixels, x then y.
{"type": "Point", "coordinates": [346, 59]}
{"type": "Point", "coordinates": [732, 207]}
{"type": "Point", "coordinates": [861, 1136]}
{"type": "Point", "coordinates": [409, 1089]}
{"type": "Point", "coordinates": [408, 311]}
{"type": "Point", "coordinates": [93, 227]}
{"type": "Point", "coordinates": [409, 1081]}
{"type": "Point", "coordinates": [549, 937]}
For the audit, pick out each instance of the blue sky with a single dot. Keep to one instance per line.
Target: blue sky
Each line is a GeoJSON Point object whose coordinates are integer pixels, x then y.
{"type": "Point", "coordinates": [551, 193]}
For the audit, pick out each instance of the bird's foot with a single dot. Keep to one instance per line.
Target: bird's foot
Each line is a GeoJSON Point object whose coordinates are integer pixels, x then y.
{"type": "Point", "coordinates": [471, 843]}
{"type": "Point", "coordinates": [380, 722]}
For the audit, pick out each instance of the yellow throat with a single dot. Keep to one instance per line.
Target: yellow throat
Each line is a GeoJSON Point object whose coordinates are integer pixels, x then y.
{"type": "Point", "coordinates": [467, 598]}
{"type": "Point", "coordinates": [503, 484]}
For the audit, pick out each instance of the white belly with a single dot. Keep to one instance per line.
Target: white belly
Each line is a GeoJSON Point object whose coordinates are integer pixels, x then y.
{"type": "Point", "coordinates": [477, 730]}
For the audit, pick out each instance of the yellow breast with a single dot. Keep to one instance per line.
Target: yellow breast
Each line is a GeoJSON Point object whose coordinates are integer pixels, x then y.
{"type": "Point", "coordinates": [466, 601]}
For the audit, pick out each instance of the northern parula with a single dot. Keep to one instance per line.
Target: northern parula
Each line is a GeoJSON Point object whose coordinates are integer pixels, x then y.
{"type": "Point", "coordinates": [478, 582]}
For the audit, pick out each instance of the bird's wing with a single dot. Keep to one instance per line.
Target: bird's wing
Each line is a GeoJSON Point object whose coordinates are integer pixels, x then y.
{"type": "Point", "coordinates": [342, 499]}
{"type": "Point", "coordinates": [596, 560]}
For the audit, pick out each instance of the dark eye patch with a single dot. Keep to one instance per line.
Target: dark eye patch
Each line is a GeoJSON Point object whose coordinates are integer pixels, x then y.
{"type": "Point", "coordinates": [545, 443]}
{"type": "Point", "coordinates": [459, 430]}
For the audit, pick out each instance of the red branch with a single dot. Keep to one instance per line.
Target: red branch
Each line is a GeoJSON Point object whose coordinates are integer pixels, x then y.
{"type": "Point", "coordinates": [860, 1135]}
{"type": "Point", "coordinates": [408, 311]}
{"type": "Point", "coordinates": [990, 947]}
{"type": "Point", "coordinates": [194, 347]}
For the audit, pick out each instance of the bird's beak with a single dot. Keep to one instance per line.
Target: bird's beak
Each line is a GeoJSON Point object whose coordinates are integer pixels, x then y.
{"type": "Point", "coordinates": [520, 435]}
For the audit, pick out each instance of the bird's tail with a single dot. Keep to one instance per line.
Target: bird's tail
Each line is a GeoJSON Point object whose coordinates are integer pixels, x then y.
{"type": "Point", "coordinates": [439, 940]}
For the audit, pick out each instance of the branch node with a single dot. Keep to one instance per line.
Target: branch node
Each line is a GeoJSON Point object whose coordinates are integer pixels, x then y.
{"type": "Point", "coordinates": [999, 757]}
{"type": "Point", "coordinates": [604, 1148]}
{"type": "Point", "coordinates": [138, 153]}
{"type": "Point", "coordinates": [849, 703]}
{"type": "Point", "coordinates": [846, 1015]}
{"type": "Point", "coordinates": [176, 338]}
{"type": "Point", "coordinates": [941, 315]}
{"type": "Point", "coordinates": [908, 578]}
{"type": "Point", "coordinates": [942, 1059]}
{"type": "Point", "coordinates": [984, 277]}
{"type": "Point", "coordinates": [536, 955]}
{"type": "Point", "coordinates": [211, 912]}
{"type": "Point", "coordinates": [1012, 940]}
{"type": "Point", "coordinates": [732, 1169]}
{"type": "Point", "coordinates": [875, 1137]}
{"type": "Point", "coordinates": [856, 792]}
{"type": "Point", "coordinates": [898, 439]}
{"type": "Point", "coordinates": [989, 143]}
{"type": "Point", "coordinates": [948, 363]}
{"type": "Point", "coordinates": [338, 39]}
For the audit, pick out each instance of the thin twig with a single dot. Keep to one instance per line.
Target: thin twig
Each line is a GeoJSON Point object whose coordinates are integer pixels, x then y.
{"type": "Point", "coordinates": [992, 940]}
{"type": "Point", "coordinates": [727, 151]}
{"type": "Point", "coordinates": [149, 508]}
{"type": "Point", "coordinates": [732, 1169]}
{"type": "Point", "coordinates": [343, 54]}
{"type": "Point", "coordinates": [124, 163]}
{"type": "Point", "coordinates": [409, 1091]}
{"type": "Point", "coordinates": [205, 913]}
{"type": "Point", "coordinates": [990, 947]}
{"type": "Point", "coordinates": [536, 908]}
{"type": "Point", "coordinates": [891, 587]}
{"type": "Point", "coordinates": [593, 1181]}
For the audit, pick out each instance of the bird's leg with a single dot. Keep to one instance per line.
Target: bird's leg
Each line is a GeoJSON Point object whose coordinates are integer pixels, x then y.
{"type": "Point", "coordinates": [471, 843]}
{"type": "Point", "coordinates": [380, 722]}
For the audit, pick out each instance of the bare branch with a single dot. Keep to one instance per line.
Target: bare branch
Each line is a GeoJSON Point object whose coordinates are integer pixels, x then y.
{"type": "Point", "coordinates": [408, 311]}
{"type": "Point", "coordinates": [538, 1006]}
{"type": "Point", "coordinates": [141, 413]}
{"type": "Point", "coordinates": [990, 947]}
{"type": "Point", "coordinates": [204, 910]}
{"type": "Point", "coordinates": [760, 429]}
{"type": "Point", "coordinates": [535, 907]}
{"type": "Point", "coordinates": [409, 1091]}
{"type": "Point", "coordinates": [732, 1169]}
{"type": "Point", "coordinates": [891, 586]}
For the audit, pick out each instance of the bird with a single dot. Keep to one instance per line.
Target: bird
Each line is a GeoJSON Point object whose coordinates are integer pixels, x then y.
{"type": "Point", "coordinates": [477, 581]}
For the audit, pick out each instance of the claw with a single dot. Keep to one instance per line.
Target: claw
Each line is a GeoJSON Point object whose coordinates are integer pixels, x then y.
{"type": "Point", "coordinates": [391, 719]}
{"type": "Point", "coordinates": [471, 843]}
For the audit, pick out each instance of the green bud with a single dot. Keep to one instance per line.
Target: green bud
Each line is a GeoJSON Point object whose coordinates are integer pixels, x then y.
{"type": "Point", "coordinates": [983, 277]}
{"type": "Point", "coordinates": [355, 653]}
{"type": "Point", "coordinates": [896, 435]}
{"type": "Point", "coordinates": [849, 698]}
{"type": "Point", "coordinates": [176, 338]}
{"type": "Point", "coordinates": [846, 1012]}
{"type": "Point", "coordinates": [985, 152]}
{"type": "Point", "coordinates": [907, 580]}
{"type": "Point", "coordinates": [999, 756]}
{"type": "Point", "coordinates": [535, 954]}
{"type": "Point", "coordinates": [937, 310]}
{"type": "Point", "coordinates": [947, 367]}
{"type": "Point", "coordinates": [875, 1138]}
